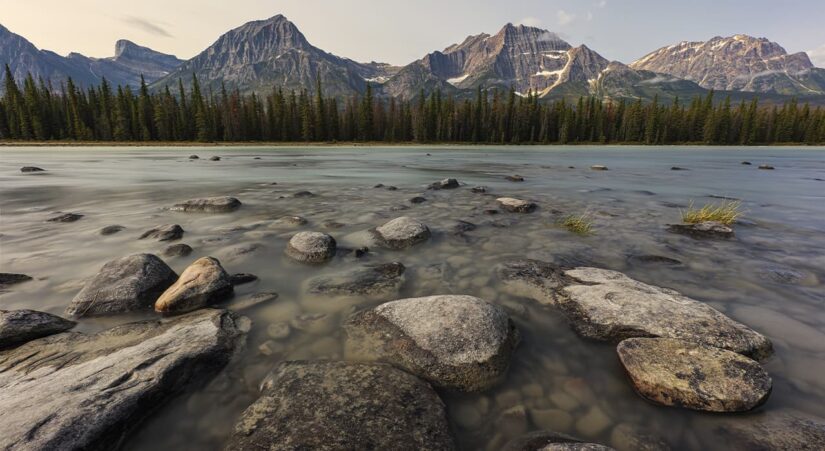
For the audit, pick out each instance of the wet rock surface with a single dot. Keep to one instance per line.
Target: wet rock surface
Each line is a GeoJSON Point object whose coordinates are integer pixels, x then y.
{"type": "Point", "coordinates": [168, 232]}
{"type": "Point", "coordinates": [88, 391]}
{"type": "Point", "coordinates": [534, 279]}
{"type": "Point", "coordinates": [709, 229]}
{"type": "Point", "coordinates": [66, 217]}
{"type": "Point", "coordinates": [378, 280]}
{"type": "Point", "coordinates": [401, 233]}
{"type": "Point", "coordinates": [242, 278]}
{"type": "Point", "coordinates": [9, 279]}
{"type": "Point", "coordinates": [677, 373]}
{"type": "Point", "coordinates": [20, 326]}
{"type": "Point", "coordinates": [339, 405]}
{"type": "Point", "coordinates": [30, 169]}
{"type": "Point", "coordinates": [456, 342]}
{"type": "Point", "coordinates": [177, 250]}
{"type": "Point", "coordinates": [311, 247]}
{"type": "Point", "coordinates": [123, 285]}
{"type": "Point", "coordinates": [551, 441]}
{"type": "Point", "coordinates": [111, 230]}
{"type": "Point", "coordinates": [444, 184]}
{"type": "Point", "coordinates": [516, 205]}
{"type": "Point", "coordinates": [222, 204]}
{"type": "Point", "coordinates": [202, 283]}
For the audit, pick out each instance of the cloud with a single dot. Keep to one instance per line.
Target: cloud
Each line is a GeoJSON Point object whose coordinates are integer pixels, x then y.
{"type": "Point", "coordinates": [565, 18]}
{"type": "Point", "coordinates": [601, 3]}
{"type": "Point", "coordinates": [818, 56]}
{"type": "Point", "coordinates": [530, 21]}
{"type": "Point", "coordinates": [146, 26]}
{"type": "Point", "coordinates": [589, 16]}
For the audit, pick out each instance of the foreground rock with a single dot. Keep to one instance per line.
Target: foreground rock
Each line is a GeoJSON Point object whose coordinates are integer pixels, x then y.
{"type": "Point", "coordinates": [708, 229]}
{"type": "Point", "coordinates": [222, 204]}
{"type": "Point", "coordinates": [341, 405]}
{"type": "Point", "coordinates": [373, 281]}
{"type": "Point", "coordinates": [168, 232]}
{"type": "Point", "coordinates": [311, 247]}
{"type": "Point", "coordinates": [8, 279]}
{"type": "Point", "coordinates": [444, 184]}
{"type": "Point", "coordinates": [674, 372]}
{"type": "Point", "coordinates": [516, 205]}
{"type": "Point", "coordinates": [20, 326]}
{"type": "Point", "coordinates": [401, 233]}
{"type": "Point", "coordinates": [608, 305]}
{"type": "Point", "coordinates": [203, 283]}
{"type": "Point", "coordinates": [123, 285]}
{"type": "Point", "coordinates": [551, 441]}
{"type": "Point", "coordinates": [533, 279]}
{"type": "Point", "coordinates": [777, 430]}
{"type": "Point", "coordinates": [78, 391]}
{"type": "Point", "coordinates": [456, 342]}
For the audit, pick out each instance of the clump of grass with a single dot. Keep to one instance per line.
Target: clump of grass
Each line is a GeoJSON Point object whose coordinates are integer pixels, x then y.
{"type": "Point", "coordinates": [727, 213]}
{"type": "Point", "coordinates": [580, 225]}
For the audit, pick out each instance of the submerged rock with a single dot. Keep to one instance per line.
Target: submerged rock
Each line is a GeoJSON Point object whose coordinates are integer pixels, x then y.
{"type": "Point", "coordinates": [194, 157]}
{"type": "Point", "coordinates": [516, 205]}
{"type": "Point", "coordinates": [242, 278]}
{"type": "Point", "coordinates": [8, 279]}
{"type": "Point", "coordinates": [111, 230]}
{"type": "Point", "coordinates": [707, 229]}
{"type": "Point", "coordinates": [303, 194]}
{"type": "Point", "coordinates": [598, 167]}
{"type": "Point", "coordinates": [766, 167]}
{"type": "Point", "coordinates": [343, 405]}
{"type": "Point", "coordinates": [678, 373]}
{"type": "Point", "coordinates": [292, 221]}
{"type": "Point", "coordinates": [123, 285]}
{"type": "Point", "coordinates": [28, 169]}
{"type": "Point", "coordinates": [202, 283]}
{"type": "Point", "coordinates": [79, 391]}
{"type": "Point", "coordinates": [515, 178]}
{"type": "Point", "coordinates": [653, 260]}
{"type": "Point", "coordinates": [532, 279]}
{"type": "Point", "coordinates": [401, 233]}
{"type": "Point", "coordinates": [168, 232]}
{"type": "Point", "coordinates": [20, 326]}
{"type": "Point", "coordinates": [551, 441]}
{"type": "Point", "coordinates": [215, 158]}
{"type": "Point", "coordinates": [777, 430]}
{"type": "Point", "coordinates": [456, 342]}
{"type": "Point", "coordinates": [382, 280]}
{"type": "Point", "coordinates": [177, 250]}
{"type": "Point", "coordinates": [478, 189]}
{"type": "Point", "coordinates": [311, 247]}
{"type": "Point", "coordinates": [66, 217]}
{"type": "Point", "coordinates": [221, 204]}
{"type": "Point", "coordinates": [444, 184]}
{"type": "Point", "coordinates": [608, 305]}
{"type": "Point", "coordinates": [418, 200]}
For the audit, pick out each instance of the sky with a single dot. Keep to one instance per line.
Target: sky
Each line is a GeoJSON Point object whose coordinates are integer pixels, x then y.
{"type": "Point", "coordinates": [400, 31]}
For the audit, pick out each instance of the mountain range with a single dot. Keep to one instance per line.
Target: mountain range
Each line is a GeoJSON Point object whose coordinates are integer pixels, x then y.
{"type": "Point", "coordinates": [260, 55]}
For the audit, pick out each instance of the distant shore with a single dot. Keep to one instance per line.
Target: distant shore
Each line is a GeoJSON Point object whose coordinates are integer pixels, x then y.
{"type": "Point", "coordinates": [187, 144]}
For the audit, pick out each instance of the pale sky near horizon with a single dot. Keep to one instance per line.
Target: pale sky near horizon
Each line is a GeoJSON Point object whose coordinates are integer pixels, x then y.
{"type": "Point", "coordinates": [398, 31]}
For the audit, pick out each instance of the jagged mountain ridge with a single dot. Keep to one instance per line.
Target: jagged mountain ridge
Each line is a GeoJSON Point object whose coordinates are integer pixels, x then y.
{"type": "Point", "coordinates": [125, 68]}
{"type": "Point", "coordinates": [738, 63]}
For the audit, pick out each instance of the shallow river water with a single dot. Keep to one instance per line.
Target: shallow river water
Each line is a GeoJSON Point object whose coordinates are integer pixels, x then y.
{"type": "Point", "coordinates": [770, 277]}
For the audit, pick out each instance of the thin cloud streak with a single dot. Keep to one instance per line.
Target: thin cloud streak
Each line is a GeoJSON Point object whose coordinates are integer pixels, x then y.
{"type": "Point", "coordinates": [147, 26]}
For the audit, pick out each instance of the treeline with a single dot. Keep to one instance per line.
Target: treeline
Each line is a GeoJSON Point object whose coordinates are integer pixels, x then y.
{"type": "Point", "coordinates": [32, 111]}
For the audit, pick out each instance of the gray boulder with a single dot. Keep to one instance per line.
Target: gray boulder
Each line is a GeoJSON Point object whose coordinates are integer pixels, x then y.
{"type": "Point", "coordinates": [202, 283]}
{"type": "Point", "coordinates": [311, 247]}
{"type": "Point", "coordinates": [382, 280]}
{"type": "Point", "coordinates": [708, 229]}
{"type": "Point", "coordinates": [516, 205]}
{"type": "Point", "coordinates": [222, 204]}
{"type": "Point", "coordinates": [111, 230]}
{"type": "Point", "coordinates": [343, 405]}
{"type": "Point", "coordinates": [79, 391]}
{"type": "Point", "coordinates": [20, 326]}
{"type": "Point", "coordinates": [401, 233]}
{"type": "Point", "coordinates": [168, 232]}
{"type": "Point", "coordinates": [123, 285]}
{"type": "Point", "coordinates": [177, 250]}
{"type": "Point", "coordinates": [678, 373]}
{"type": "Point", "coordinates": [456, 342]}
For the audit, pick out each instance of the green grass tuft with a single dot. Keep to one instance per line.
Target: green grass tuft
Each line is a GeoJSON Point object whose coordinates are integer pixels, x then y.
{"type": "Point", "coordinates": [727, 213]}
{"type": "Point", "coordinates": [580, 225]}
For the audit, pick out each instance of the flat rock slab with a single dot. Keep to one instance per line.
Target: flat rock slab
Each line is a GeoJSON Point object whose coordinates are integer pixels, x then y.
{"type": "Point", "coordinates": [381, 280]}
{"type": "Point", "coordinates": [401, 233]}
{"type": "Point", "coordinates": [532, 279]}
{"type": "Point", "coordinates": [551, 441]}
{"type": "Point", "coordinates": [79, 391]}
{"type": "Point", "coordinates": [608, 305]}
{"type": "Point", "coordinates": [123, 285]}
{"type": "Point", "coordinates": [311, 247]}
{"type": "Point", "coordinates": [677, 373]}
{"type": "Point", "coordinates": [343, 405]}
{"type": "Point", "coordinates": [222, 204]}
{"type": "Point", "coordinates": [708, 229]}
{"type": "Point", "coordinates": [202, 283]}
{"type": "Point", "coordinates": [516, 205]}
{"type": "Point", "coordinates": [20, 326]}
{"type": "Point", "coordinates": [457, 342]}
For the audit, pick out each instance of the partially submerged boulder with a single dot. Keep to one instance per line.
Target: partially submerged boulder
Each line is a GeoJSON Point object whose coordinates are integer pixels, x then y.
{"type": "Point", "coordinates": [516, 205]}
{"type": "Point", "coordinates": [678, 373]}
{"type": "Point", "coordinates": [167, 232]}
{"type": "Point", "coordinates": [177, 250]}
{"type": "Point", "coordinates": [343, 405]}
{"type": "Point", "coordinates": [707, 229]}
{"type": "Point", "coordinates": [8, 279]}
{"type": "Point", "coordinates": [88, 391]}
{"type": "Point", "coordinates": [202, 283]}
{"type": "Point", "coordinates": [221, 204]}
{"type": "Point", "coordinates": [377, 280]}
{"type": "Point", "coordinates": [401, 233]}
{"type": "Point", "coordinates": [444, 184]}
{"type": "Point", "coordinates": [456, 342]}
{"type": "Point", "coordinates": [111, 230]}
{"type": "Point", "coordinates": [123, 285]}
{"type": "Point", "coordinates": [66, 217]}
{"type": "Point", "coordinates": [311, 247]}
{"type": "Point", "coordinates": [20, 326]}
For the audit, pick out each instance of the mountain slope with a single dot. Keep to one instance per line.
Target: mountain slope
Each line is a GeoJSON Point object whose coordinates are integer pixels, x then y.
{"type": "Point", "coordinates": [260, 55]}
{"type": "Point", "coordinates": [738, 63]}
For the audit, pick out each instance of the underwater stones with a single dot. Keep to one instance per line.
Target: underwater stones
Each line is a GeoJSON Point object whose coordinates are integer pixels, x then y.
{"type": "Point", "coordinates": [551, 441]}
{"type": "Point", "coordinates": [444, 184]}
{"type": "Point", "coordinates": [202, 283]}
{"type": "Point", "coordinates": [177, 250]}
{"type": "Point", "coordinates": [220, 204]}
{"type": "Point", "coordinates": [168, 232]}
{"type": "Point", "coordinates": [123, 285]}
{"type": "Point", "coordinates": [66, 217]}
{"type": "Point", "coordinates": [778, 430]}
{"type": "Point", "coordinates": [453, 341]}
{"type": "Point", "coordinates": [707, 229]}
{"type": "Point", "coordinates": [311, 247]}
{"type": "Point", "coordinates": [516, 205]}
{"type": "Point", "coordinates": [343, 405]}
{"type": "Point", "coordinates": [650, 259]}
{"type": "Point", "coordinates": [20, 326]}
{"type": "Point", "coordinates": [381, 280]}
{"type": "Point", "coordinates": [610, 306]}
{"type": "Point", "coordinates": [242, 278]}
{"type": "Point", "coordinates": [111, 230]}
{"type": "Point", "coordinates": [677, 373]}
{"type": "Point", "coordinates": [401, 233]}
{"type": "Point", "coordinates": [532, 279]}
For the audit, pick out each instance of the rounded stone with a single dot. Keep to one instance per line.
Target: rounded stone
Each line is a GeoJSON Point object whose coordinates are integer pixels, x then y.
{"type": "Point", "coordinates": [111, 230]}
{"type": "Point", "coordinates": [20, 326]}
{"type": "Point", "coordinates": [311, 247]}
{"type": "Point", "coordinates": [551, 441]}
{"type": "Point", "coordinates": [177, 250]}
{"type": "Point", "coordinates": [402, 233]}
{"type": "Point", "coordinates": [203, 283]}
{"type": "Point", "coordinates": [168, 232]}
{"type": "Point", "coordinates": [516, 205]}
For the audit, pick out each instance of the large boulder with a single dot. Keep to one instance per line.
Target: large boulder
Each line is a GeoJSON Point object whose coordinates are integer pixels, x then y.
{"type": "Point", "coordinates": [123, 285]}
{"type": "Point", "coordinates": [343, 405]}
{"type": "Point", "coordinates": [456, 342]}
{"type": "Point", "coordinates": [551, 441]}
{"type": "Point", "coordinates": [202, 283]}
{"type": "Point", "coordinates": [79, 391]}
{"type": "Point", "coordinates": [381, 280]}
{"type": "Point", "coordinates": [167, 232]}
{"type": "Point", "coordinates": [20, 326]}
{"type": "Point", "coordinates": [674, 372]}
{"type": "Point", "coordinates": [401, 233]}
{"type": "Point", "coordinates": [311, 247]}
{"type": "Point", "coordinates": [222, 204]}
{"type": "Point", "coordinates": [610, 306]}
